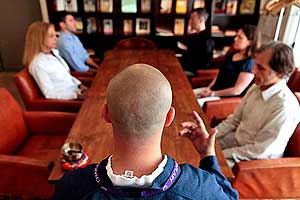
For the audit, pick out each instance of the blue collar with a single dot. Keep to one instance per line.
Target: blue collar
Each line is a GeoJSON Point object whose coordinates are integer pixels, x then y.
{"type": "Point", "coordinates": [162, 183]}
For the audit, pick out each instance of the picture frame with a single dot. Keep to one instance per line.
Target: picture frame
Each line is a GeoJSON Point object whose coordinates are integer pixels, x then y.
{"type": "Point", "coordinates": [142, 26]}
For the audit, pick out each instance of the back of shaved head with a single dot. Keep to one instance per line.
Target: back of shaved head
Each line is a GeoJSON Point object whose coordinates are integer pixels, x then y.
{"type": "Point", "coordinates": [138, 100]}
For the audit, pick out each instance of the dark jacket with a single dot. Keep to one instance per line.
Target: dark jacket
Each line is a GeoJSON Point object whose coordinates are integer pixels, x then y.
{"type": "Point", "coordinates": [206, 182]}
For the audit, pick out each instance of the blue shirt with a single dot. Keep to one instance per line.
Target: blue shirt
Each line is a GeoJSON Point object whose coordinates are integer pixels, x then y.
{"type": "Point", "coordinates": [72, 50]}
{"type": "Point", "coordinates": [230, 71]}
{"type": "Point", "coordinates": [206, 182]}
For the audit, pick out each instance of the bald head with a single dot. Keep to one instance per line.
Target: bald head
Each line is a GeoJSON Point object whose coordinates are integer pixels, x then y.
{"type": "Point", "coordinates": [138, 100]}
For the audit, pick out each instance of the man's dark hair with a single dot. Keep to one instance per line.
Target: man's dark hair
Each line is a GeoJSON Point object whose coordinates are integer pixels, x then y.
{"type": "Point", "coordinates": [201, 12]}
{"type": "Point", "coordinates": [282, 58]}
{"type": "Point", "coordinates": [61, 18]}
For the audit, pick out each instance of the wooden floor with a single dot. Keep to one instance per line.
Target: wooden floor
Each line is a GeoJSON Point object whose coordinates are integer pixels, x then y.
{"type": "Point", "coordinates": [7, 81]}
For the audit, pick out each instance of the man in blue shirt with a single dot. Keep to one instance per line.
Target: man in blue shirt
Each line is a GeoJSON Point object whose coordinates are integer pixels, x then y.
{"type": "Point", "coordinates": [70, 47]}
{"type": "Point", "coordinates": [137, 168]}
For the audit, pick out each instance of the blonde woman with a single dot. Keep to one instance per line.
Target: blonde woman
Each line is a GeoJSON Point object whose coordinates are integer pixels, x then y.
{"type": "Point", "coordinates": [47, 67]}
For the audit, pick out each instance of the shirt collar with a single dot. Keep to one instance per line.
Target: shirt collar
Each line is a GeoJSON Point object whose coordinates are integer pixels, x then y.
{"type": "Point", "coordinates": [67, 35]}
{"type": "Point", "coordinates": [268, 93]}
{"type": "Point", "coordinates": [143, 181]}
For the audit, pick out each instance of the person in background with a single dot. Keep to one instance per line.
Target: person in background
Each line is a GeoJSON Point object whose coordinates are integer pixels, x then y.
{"type": "Point", "coordinates": [71, 48]}
{"type": "Point", "coordinates": [137, 168]}
{"type": "Point", "coordinates": [268, 114]}
{"type": "Point", "coordinates": [199, 47]}
{"type": "Point", "coordinates": [49, 70]}
{"type": "Point", "coordinates": [235, 74]}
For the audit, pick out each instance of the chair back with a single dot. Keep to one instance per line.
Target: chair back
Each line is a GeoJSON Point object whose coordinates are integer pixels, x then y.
{"type": "Point", "coordinates": [293, 147]}
{"type": "Point", "coordinates": [27, 87]}
{"type": "Point", "coordinates": [294, 81]}
{"type": "Point", "coordinates": [13, 130]}
{"type": "Point", "coordinates": [135, 43]}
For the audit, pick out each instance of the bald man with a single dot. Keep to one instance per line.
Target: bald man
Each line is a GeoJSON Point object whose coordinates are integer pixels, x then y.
{"type": "Point", "coordinates": [139, 107]}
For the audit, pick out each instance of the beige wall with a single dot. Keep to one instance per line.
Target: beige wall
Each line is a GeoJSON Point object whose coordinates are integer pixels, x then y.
{"type": "Point", "coordinates": [15, 16]}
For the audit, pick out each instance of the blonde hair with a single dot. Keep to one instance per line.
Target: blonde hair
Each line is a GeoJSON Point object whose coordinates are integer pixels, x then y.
{"type": "Point", "coordinates": [35, 40]}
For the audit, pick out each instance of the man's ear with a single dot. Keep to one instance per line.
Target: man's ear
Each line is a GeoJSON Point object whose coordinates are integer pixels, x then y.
{"type": "Point", "coordinates": [170, 116]}
{"type": "Point", "coordinates": [105, 114]}
{"type": "Point", "coordinates": [62, 25]}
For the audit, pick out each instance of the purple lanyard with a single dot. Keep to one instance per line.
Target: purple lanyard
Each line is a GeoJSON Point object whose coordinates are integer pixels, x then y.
{"type": "Point", "coordinates": [146, 192]}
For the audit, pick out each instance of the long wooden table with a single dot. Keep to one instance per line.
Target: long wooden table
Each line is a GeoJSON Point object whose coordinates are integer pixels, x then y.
{"type": "Point", "coordinates": [95, 134]}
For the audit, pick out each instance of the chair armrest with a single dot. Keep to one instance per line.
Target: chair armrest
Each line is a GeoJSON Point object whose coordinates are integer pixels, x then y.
{"type": "Point", "coordinates": [203, 81]}
{"type": "Point", "coordinates": [87, 81]}
{"type": "Point", "coordinates": [54, 105]}
{"type": "Point", "coordinates": [25, 176]}
{"type": "Point", "coordinates": [83, 74]}
{"type": "Point", "coordinates": [272, 178]}
{"type": "Point", "coordinates": [220, 109]}
{"type": "Point", "coordinates": [208, 72]}
{"type": "Point", "coordinates": [49, 122]}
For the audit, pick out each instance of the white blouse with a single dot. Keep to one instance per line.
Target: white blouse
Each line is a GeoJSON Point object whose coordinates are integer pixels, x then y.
{"type": "Point", "coordinates": [53, 77]}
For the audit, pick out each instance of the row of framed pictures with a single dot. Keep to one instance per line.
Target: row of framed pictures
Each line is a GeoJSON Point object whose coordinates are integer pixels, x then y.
{"type": "Point", "coordinates": [127, 6]}
{"type": "Point", "coordinates": [142, 26]}
{"type": "Point", "coordinates": [230, 7]}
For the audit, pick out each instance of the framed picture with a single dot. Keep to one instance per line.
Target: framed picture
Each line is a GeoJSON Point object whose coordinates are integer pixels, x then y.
{"type": "Point", "coordinates": [89, 5]}
{"type": "Point", "coordinates": [247, 7]}
{"type": "Point", "coordinates": [220, 6]}
{"type": "Point", "coordinates": [142, 26]}
{"type": "Point", "coordinates": [179, 27]}
{"type": "Point", "coordinates": [199, 4]}
{"type": "Point", "coordinates": [71, 5]}
{"type": "Point", "coordinates": [91, 25]}
{"type": "Point", "coordinates": [79, 25]}
{"type": "Point", "coordinates": [108, 27]}
{"type": "Point", "coordinates": [231, 7]}
{"type": "Point", "coordinates": [165, 6]}
{"type": "Point", "coordinates": [145, 6]}
{"type": "Point", "coordinates": [105, 6]}
{"type": "Point", "coordinates": [129, 6]}
{"type": "Point", "coordinates": [181, 6]}
{"type": "Point", "coordinates": [127, 26]}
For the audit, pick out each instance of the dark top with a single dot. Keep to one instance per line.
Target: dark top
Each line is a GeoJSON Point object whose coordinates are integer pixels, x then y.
{"type": "Point", "coordinates": [200, 51]}
{"type": "Point", "coordinates": [206, 182]}
{"type": "Point", "coordinates": [229, 72]}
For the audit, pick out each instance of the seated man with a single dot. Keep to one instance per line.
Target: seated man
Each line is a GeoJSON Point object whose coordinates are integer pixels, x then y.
{"type": "Point", "coordinates": [137, 168]}
{"type": "Point", "coordinates": [268, 114]}
{"type": "Point", "coordinates": [199, 49]}
{"type": "Point", "coordinates": [71, 48]}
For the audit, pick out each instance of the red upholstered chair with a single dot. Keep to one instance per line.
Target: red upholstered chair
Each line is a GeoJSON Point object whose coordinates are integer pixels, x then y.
{"type": "Point", "coordinates": [204, 77]}
{"type": "Point", "coordinates": [294, 81]}
{"type": "Point", "coordinates": [29, 142]}
{"type": "Point", "coordinates": [135, 43]}
{"type": "Point", "coordinates": [272, 178]}
{"type": "Point", "coordinates": [218, 110]}
{"type": "Point", "coordinates": [34, 99]}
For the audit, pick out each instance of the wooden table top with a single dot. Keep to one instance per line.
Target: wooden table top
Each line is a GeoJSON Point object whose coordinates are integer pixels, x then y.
{"type": "Point", "coordinates": [95, 134]}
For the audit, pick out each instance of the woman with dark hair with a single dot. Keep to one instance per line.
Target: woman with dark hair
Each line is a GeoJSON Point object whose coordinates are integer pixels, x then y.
{"type": "Point", "coordinates": [235, 74]}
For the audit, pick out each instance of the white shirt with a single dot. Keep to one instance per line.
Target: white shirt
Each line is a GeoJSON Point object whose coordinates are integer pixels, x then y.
{"type": "Point", "coordinates": [143, 181]}
{"type": "Point", "coordinates": [262, 123]}
{"type": "Point", "coordinates": [53, 77]}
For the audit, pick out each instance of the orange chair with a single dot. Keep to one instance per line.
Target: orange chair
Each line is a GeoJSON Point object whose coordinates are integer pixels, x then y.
{"type": "Point", "coordinates": [204, 77]}
{"type": "Point", "coordinates": [216, 111]}
{"type": "Point", "coordinates": [135, 43]}
{"type": "Point", "coordinates": [271, 178]}
{"type": "Point", "coordinates": [294, 81]}
{"type": "Point", "coordinates": [34, 99]}
{"type": "Point", "coordinates": [29, 142]}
